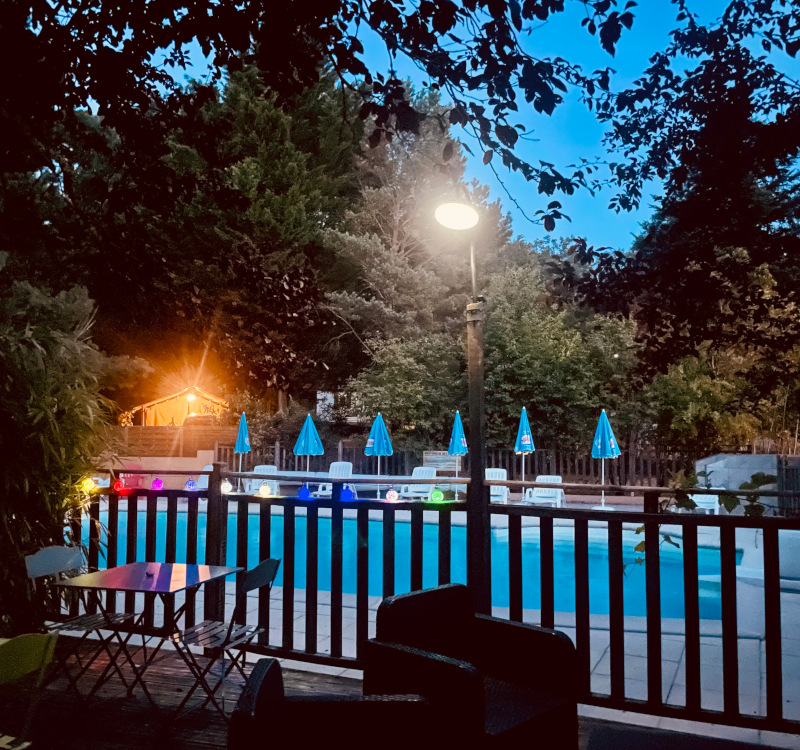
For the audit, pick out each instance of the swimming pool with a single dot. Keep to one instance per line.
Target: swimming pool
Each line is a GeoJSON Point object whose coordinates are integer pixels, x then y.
{"type": "Point", "coordinates": [671, 561]}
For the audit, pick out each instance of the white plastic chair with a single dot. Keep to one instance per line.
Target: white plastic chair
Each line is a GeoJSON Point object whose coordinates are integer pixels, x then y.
{"type": "Point", "coordinates": [253, 485]}
{"type": "Point", "coordinates": [337, 470]}
{"type": "Point", "coordinates": [707, 503]}
{"type": "Point", "coordinates": [419, 491]}
{"type": "Point", "coordinates": [202, 480]}
{"type": "Point", "coordinates": [497, 493]}
{"type": "Point", "coordinates": [545, 495]}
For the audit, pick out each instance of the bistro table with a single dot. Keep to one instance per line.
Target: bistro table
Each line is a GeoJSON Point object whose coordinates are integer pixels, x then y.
{"type": "Point", "coordinates": [157, 579]}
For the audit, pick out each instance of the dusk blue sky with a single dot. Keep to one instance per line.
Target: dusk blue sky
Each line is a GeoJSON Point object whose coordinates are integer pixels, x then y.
{"type": "Point", "coordinates": [572, 131]}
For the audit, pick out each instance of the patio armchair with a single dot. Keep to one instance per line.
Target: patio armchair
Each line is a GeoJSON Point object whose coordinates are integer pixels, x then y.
{"type": "Point", "coordinates": [510, 684]}
{"type": "Point", "coordinates": [545, 495]}
{"type": "Point", "coordinates": [419, 491]}
{"type": "Point", "coordinates": [498, 493]}
{"type": "Point", "coordinates": [266, 717]}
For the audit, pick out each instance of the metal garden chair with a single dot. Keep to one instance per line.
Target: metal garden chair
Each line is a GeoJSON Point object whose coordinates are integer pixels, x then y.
{"type": "Point", "coordinates": [55, 562]}
{"type": "Point", "coordinates": [218, 639]}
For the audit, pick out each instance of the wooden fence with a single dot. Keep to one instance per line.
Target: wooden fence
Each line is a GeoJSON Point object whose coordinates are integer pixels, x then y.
{"type": "Point", "coordinates": [644, 469]}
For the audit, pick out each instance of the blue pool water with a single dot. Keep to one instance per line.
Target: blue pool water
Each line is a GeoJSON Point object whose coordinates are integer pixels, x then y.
{"type": "Point", "coordinates": [564, 562]}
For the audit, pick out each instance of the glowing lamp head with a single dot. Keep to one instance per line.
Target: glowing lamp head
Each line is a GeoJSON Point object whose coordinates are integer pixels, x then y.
{"type": "Point", "coordinates": [392, 496]}
{"type": "Point", "coordinates": [158, 484]}
{"type": "Point", "coordinates": [456, 216]}
{"type": "Point", "coordinates": [264, 490]}
{"type": "Point", "coordinates": [347, 493]}
{"type": "Point", "coordinates": [191, 486]}
{"type": "Point", "coordinates": [191, 397]}
{"type": "Point", "coordinates": [87, 485]}
{"type": "Point", "coordinates": [437, 496]}
{"type": "Point", "coordinates": [304, 493]}
{"type": "Point", "coordinates": [226, 486]}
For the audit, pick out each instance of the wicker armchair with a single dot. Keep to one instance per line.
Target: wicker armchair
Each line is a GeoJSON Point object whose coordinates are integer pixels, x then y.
{"type": "Point", "coordinates": [510, 684]}
{"type": "Point", "coordinates": [265, 717]}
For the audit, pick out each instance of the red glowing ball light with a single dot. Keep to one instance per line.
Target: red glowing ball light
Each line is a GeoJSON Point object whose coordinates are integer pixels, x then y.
{"type": "Point", "coordinates": [120, 488]}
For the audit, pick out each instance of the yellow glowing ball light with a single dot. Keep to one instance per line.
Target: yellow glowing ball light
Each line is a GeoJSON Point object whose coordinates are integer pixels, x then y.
{"type": "Point", "coordinates": [264, 490]}
{"type": "Point", "coordinates": [226, 486]}
{"type": "Point", "coordinates": [392, 496]}
{"type": "Point", "coordinates": [87, 485]}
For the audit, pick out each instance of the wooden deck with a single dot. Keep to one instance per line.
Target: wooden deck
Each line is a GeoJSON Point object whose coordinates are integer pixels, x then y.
{"type": "Point", "coordinates": [111, 720]}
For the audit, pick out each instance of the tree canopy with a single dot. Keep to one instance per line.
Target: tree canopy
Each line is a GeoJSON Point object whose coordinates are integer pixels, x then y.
{"type": "Point", "coordinates": [120, 59]}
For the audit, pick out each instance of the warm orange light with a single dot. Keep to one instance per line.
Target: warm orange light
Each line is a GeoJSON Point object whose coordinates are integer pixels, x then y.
{"type": "Point", "coordinates": [191, 397]}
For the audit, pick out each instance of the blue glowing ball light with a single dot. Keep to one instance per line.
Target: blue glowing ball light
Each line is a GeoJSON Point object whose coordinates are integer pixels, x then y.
{"type": "Point", "coordinates": [191, 486]}
{"type": "Point", "coordinates": [347, 494]}
{"type": "Point", "coordinates": [158, 484]}
{"type": "Point", "coordinates": [304, 493]}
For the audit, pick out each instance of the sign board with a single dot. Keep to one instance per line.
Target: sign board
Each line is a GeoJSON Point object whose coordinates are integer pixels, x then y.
{"type": "Point", "coordinates": [442, 460]}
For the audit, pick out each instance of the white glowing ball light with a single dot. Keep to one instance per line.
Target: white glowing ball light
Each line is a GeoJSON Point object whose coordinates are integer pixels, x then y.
{"type": "Point", "coordinates": [264, 490]}
{"type": "Point", "coordinates": [456, 216]}
{"type": "Point", "coordinates": [392, 496]}
{"type": "Point", "coordinates": [226, 486]}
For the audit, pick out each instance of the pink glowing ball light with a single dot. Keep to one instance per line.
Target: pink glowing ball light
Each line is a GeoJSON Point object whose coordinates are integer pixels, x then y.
{"type": "Point", "coordinates": [158, 484]}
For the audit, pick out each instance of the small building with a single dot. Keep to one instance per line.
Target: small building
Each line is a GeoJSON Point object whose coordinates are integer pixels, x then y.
{"type": "Point", "coordinates": [175, 409]}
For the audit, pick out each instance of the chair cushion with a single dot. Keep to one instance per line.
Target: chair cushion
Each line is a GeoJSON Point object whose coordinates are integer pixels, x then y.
{"type": "Point", "coordinates": [518, 713]}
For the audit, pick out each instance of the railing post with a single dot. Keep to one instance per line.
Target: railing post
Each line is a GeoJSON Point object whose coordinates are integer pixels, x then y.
{"type": "Point", "coordinates": [651, 502]}
{"type": "Point", "coordinates": [216, 544]}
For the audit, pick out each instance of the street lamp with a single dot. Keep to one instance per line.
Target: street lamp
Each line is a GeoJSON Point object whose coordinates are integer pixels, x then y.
{"type": "Point", "coordinates": [461, 217]}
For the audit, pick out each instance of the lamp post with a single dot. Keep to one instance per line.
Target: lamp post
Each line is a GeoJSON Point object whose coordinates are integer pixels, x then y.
{"type": "Point", "coordinates": [462, 217]}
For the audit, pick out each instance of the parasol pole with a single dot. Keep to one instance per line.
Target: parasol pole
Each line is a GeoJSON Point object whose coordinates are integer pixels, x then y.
{"type": "Point", "coordinates": [603, 482]}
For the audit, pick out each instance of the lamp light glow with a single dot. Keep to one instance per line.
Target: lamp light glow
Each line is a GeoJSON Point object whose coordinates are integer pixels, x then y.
{"type": "Point", "coordinates": [87, 485]}
{"type": "Point", "coordinates": [392, 496]}
{"type": "Point", "coordinates": [190, 397]}
{"type": "Point", "coordinates": [304, 493]}
{"type": "Point", "coordinates": [158, 484]}
{"type": "Point", "coordinates": [456, 216]}
{"type": "Point", "coordinates": [437, 496]}
{"type": "Point", "coordinates": [347, 493]}
{"type": "Point", "coordinates": [226, 486]}
{"type": "Point", "coordinates": [119, 485]}
{"type": "Point", "coordinates": [264, 490]}
{"type": "Point", "coordinates": [191, 486]}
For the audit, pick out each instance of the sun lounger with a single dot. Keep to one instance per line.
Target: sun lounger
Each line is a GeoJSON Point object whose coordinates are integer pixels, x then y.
{"type": "Point", "coordinates": [419, 491]}
{"type": "Point", "coordinates": [545, 495]}
{"type": "Point", "coordinates": [338, 470]}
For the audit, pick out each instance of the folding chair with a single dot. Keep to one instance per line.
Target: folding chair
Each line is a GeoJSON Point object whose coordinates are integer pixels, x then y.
{"type": "Point", "coordinates": [220, 638]}
{"type": "Point", "coordinates": [57, 562]}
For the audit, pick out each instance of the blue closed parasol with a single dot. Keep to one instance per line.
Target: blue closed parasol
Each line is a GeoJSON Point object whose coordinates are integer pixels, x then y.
{"type": "Point", "coordinates": [458, 443]}
{"type": "Point", "coordinates": [524, 442]}
{"type": "Point", "coordinates": [604, 446]}
{"type": "Point", "coordinates": [242, 442]}
{"type": "Point", "coordinates": [378, 443]}
{"type": "Point", "coordinates": [308, 442]}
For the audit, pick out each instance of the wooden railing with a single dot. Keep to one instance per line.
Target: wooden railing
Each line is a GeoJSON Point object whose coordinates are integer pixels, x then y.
{"type": "Point", "coordinates": [331, 540]}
